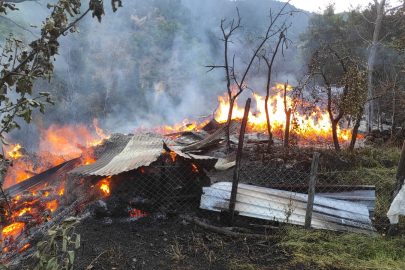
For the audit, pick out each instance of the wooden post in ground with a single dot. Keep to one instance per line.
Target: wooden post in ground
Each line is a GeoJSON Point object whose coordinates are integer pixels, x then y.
{"type": "Point", "coordinates": [311, 190]}
{"type": "Point", "coordinates": [235, 182]}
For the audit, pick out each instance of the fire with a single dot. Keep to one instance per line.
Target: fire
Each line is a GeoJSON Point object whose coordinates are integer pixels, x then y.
{"type": "Point", "coordinates": [14, 153]}
{"type": "Point", "coordinates": [61, 191]}
{"type": "Point", "coordinates": [24, 247]}
{"type": "Point", "coordinates": [59, 140]}
{"type": "Point", "coordinates": [52, 205]}
{"type": "Point", "coordinates": [194, 168]}
{"type": "Point", "coordinates": [105, 186]}
{"type": "Point", "coordinates": [313, 127]}
{"type": "Point", "coordinates": [64, 139]}
{"type": "Point", "coordinates": [137, 213]}
{"type": "Point", "coordinates": [186, 125]}
{"type": "Point", "coordinates": [22, 211]}
{"type": "Point", "coordinates": [173, 155]}
{"type": "Point", "coordinates": [13, 229]}
{"type": "Point", "coordinates": [100, 133]}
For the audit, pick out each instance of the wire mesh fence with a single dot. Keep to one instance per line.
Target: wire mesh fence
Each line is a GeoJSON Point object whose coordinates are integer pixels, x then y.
{"type": "Point", "coordinates": [274, 192]}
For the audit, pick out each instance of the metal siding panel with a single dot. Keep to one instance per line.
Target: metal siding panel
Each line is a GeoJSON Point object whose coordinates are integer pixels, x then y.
{"type": "Point", "coordinates": [271, 204]}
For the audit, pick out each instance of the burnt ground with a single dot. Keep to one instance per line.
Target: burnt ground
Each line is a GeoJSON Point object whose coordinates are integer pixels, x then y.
{"type": "Point", "coordinates": [149, 243]}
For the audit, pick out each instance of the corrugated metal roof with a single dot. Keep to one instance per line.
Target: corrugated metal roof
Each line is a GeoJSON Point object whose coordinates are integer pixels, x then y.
{"type": "Point", "coordinates": [125, 154]}
{"type": "Point", "coordinates": [272, 204]}
{"type": "Point", "coordinates": [114, 145]}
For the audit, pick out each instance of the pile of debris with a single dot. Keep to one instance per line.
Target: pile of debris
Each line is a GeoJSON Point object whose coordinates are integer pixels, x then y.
{"type": "Point", "coordinates": [130, 176]}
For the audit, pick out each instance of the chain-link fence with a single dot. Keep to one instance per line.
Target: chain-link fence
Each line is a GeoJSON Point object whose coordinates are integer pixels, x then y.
{"type": "Point", "coordinates": [275, 192]}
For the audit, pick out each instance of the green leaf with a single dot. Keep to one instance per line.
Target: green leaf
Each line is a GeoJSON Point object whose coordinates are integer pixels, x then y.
{"type": "Point", "coordinates": [76, 28]}
{"type": "Point", "coordinates": [52, 264]}
{"type": "Point", "coordinates": [71, 256]}
{"type": "Point", "coordinates": [45, 94]}
{"type": "Point", "coordinates": [49, 100]}
{"type": "Point", "coordinates": [27, 116]}
{"type": "Point", "coordinates": [4, 141]}
{"type": "Point", "coordinates": [42, 107]}
{"type": "Point", "coordinates": [77, 242]}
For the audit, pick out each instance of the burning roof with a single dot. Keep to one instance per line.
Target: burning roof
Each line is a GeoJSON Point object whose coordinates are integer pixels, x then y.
{"type": "Point", "coordinates": [128, 152]}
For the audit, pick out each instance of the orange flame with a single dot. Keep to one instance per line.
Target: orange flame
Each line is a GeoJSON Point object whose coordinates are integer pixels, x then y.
{"type": "Point", "coordinates": [52, 205]}
{"type": "Point", "coordinates": [312, 127]}
{"type": "Point", "coordinates": [24, 247]}
{"type": "Point", "coordinates": [14, 153]}
{"type": "Point", "coordinates": [13, 229]}
{"type": "Point", "coordinates": [105, 186]}
{"type": "Point", "coordinates": [173, 155]}
{"type": "Point", "coordinates": [194, 168]}
{"type": "Point", "coordinates": [137, 213]}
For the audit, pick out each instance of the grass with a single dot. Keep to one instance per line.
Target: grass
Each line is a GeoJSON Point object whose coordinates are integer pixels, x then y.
{"type": "Point", "coordinates": [326, 249]}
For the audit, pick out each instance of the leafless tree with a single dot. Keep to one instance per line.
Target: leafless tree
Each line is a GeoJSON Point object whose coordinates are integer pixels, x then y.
{"type": "Point", "coordinates": [236, 84]}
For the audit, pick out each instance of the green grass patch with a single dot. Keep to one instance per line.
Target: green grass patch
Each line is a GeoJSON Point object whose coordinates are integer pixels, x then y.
{"type": "Point", "coordinates": [327, 249]}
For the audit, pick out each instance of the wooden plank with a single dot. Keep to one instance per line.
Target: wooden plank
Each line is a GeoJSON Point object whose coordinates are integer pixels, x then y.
{"type": "Point", "coordinates": [311, 191]}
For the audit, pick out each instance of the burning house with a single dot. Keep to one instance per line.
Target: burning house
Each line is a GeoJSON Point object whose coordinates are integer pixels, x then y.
{"type": "Point", "coordinates": [124, 177]}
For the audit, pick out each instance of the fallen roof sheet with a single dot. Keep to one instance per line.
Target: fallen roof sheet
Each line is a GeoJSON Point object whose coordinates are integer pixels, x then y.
{"type": "Point", "coordinates": [42, 178]}
{"type": "Point", "coordinates": [364, 194]}
{"type": "Point", "coordinates": [272, 204]}
{"type": "Point", "coordinates": [214, 138]}
{"type": "Point", "coordinates": [128, 152]}
{"type": "Point", "coordinates": [125, 153]}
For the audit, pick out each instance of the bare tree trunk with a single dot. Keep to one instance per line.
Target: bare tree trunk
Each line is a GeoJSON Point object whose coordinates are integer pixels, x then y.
{"type": "Point", "coordinates": [355, 129]}
{"type": "Point", "coordinates": [228, 123]}
{"type": "Point", "coordinates": [287, 117]}
{"type": "Point", "coordinates": [266, 107]}
{"type": "Point", "coordinates": [270, 66]}
{"type": "Point", "coordinates": [287, 127]}
{"type": "Point", "coordinates": [335, 137]}
{"type": "Point", "coordinates": [371, 61]}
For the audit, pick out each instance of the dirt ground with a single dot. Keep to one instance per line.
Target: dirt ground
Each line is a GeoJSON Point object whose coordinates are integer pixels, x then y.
{"type": "Point", "coordinates": [149, 243]}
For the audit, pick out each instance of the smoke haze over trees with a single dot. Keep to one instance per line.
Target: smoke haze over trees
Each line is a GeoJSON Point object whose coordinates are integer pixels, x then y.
{"type": "Point", "coordinates": [145, 66]}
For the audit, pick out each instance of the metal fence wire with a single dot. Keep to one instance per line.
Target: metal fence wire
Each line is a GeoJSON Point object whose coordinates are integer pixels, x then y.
{"type": "Point", "coordinates": [267, 193]}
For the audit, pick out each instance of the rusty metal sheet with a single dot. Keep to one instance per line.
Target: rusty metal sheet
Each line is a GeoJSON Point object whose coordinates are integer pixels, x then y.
{"type": "Point", "coordinates": [214, 138]}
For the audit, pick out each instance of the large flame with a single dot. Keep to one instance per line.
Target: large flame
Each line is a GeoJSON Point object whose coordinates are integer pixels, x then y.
{"type": "Point", "coordinates": [58, 140]}
{"type": "Point", "coordinates": [314, 127]}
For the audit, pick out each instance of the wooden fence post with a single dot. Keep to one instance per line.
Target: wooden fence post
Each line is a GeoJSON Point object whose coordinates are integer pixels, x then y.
{"type": "Point", "coordinates": [311, 191]}
{"type": "Point", "coordinates": [232, 200]}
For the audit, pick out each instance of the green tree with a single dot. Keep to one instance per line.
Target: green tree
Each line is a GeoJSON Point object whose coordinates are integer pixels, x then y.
{"type": "Point", "coordinates": [22, 65]}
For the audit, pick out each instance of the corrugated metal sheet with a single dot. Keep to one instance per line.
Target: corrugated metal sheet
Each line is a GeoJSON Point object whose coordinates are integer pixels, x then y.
{"type": "Point", "coordinates": [42, 178]}
{"type": "Point", "coordinates": [272, 204]}
{"type": "Point", "coordinates": [114, 145]}
{"type": "Point", "coordinates": [125, 153]}
{"type": "Point", "coordinates": [214, 138]}
{"type": "Point", "coordinates": [140, 150]}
